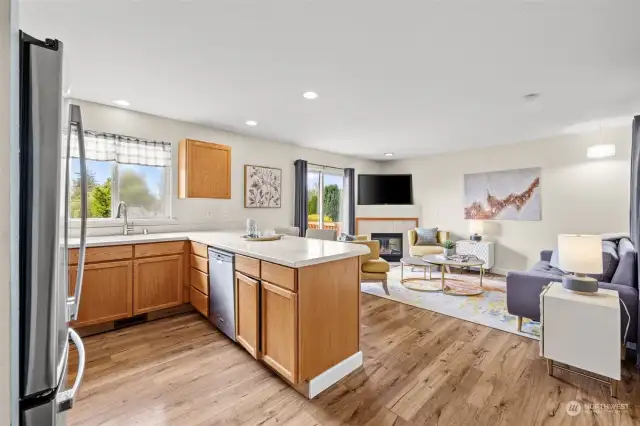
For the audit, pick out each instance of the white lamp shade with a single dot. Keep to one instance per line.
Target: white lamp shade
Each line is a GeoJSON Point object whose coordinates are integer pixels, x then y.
{"type": "Point", "coordinates": [476, 226]}
{"type": "Point", "coordinates": [580, 253]}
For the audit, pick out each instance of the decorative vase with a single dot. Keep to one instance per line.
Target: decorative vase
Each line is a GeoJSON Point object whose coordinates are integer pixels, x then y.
{"type": "Point", "coordinates": [449, 252]}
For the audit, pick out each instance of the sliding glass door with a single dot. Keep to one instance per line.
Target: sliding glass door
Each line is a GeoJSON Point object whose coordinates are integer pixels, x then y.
{"type": "Point", "coordinates": [325, 190]}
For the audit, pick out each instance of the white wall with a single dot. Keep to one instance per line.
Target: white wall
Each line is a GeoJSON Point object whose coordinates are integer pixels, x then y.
{"type": "Point", "coordinates": [245, 150]}
{"type": "Point", "coordinates": [578, 195]}
{"type": "Point", "coordinates": [8, 198]}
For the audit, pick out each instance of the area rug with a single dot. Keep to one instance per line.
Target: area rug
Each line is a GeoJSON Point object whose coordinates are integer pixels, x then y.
{"type": "Point", "coordinates": [488, 308]}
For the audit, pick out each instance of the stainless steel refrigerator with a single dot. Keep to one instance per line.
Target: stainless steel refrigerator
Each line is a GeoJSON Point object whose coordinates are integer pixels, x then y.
{"type": "Point", "coordinates": [46, 305]}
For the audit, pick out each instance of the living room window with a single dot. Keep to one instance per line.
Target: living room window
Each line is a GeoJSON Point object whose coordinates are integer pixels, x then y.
{"type": "Point", "coordinates": [121, 168]}
{"type": "Point", "coordinates": [325, 190]}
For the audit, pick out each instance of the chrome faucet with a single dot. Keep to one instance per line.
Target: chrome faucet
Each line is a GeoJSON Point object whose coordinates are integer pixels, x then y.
{"type": "Point", "coordinates": [122, 209]}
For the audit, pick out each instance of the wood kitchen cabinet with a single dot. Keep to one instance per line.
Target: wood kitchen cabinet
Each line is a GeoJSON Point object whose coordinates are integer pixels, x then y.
{"type": "Point", "coordinates": [204, 170]}
{"type": "Point", "coordinates": [157, 283]}
{"type": "Point", "coordinates": [106, 292]}
{"type": "Point", "coordinates": [279, 320]}
{"type": "Point", "coordinates": [248, 313]}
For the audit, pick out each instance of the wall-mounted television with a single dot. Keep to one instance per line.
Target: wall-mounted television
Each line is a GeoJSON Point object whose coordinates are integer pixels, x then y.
{"type": "Point", "coordinates": [385, 189]}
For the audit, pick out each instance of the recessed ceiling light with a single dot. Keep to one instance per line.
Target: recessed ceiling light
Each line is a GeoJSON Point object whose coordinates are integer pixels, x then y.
{"type": "Point", "coordinates": [531, 97]}
{"type": "Point", "coordinates": [310, 95]}
{"type": "Point", "coordinates": [121, 102]}
{"type": "Point", "coordinates": [251, 123]}
{"type": "Point", "coordinates": [388, 154]}
{"type": "Point", "coordinates": [601, 151]}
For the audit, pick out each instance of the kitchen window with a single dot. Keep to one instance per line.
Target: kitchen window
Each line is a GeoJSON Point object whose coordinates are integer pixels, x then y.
{"type": "Point", "coordinates": [121, 168]}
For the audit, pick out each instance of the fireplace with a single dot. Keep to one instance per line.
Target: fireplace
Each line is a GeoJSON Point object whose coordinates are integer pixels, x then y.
{"type": "Point", "coordinates": [390, 245]}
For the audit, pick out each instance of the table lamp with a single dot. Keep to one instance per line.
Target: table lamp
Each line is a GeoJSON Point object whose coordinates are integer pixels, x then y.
{"type": "Point", "coordinates": [580, 254]}
{"type": "Point", "coordinates": [476, 227]}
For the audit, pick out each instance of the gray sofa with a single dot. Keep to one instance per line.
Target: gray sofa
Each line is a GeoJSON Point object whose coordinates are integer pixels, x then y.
{"type": "Point", "coordinates": [620, 273]}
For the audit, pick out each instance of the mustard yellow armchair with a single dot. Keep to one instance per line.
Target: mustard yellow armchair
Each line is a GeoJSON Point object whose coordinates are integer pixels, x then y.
{"type": "Point", "coordinates": [372, 266]}
{"type": "Point", "coordinates": [420, 251]}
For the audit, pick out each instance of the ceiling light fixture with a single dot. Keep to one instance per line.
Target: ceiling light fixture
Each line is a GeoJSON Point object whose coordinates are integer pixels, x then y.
{"type": "Point", "coordinates": [251, 123]}
{"type": "Point", "coordinates": [531, 97]}
{"type": "Point", "coordinates": [121, 102]}
{"type": "Point", "coordinates": [310, 95]}
{"type": "Point", "coordinates": [388, 154]}
{"type": "Point", "coordinates": [601, 151]}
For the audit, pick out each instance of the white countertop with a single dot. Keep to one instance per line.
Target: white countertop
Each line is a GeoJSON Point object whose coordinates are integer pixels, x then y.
{"type": "Point", "coordinates": [294, 252]}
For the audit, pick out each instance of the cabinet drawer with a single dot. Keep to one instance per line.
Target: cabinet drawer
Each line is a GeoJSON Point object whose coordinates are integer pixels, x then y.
{"type": "Point", "coordinates": [159, 249]}
{"type": "Point", "coordinates": [102, 254]}
{"type": "Point", "coordinates": [279, 275]}
{"type": "Point", "coordinates": [200, 281]}
{"type": "Point", "coordinates": [248, 265]}
{"type": "Point", "coordinates": [200, 263]}
{"type": "Point", "coordinates": [199, 301]}
{"type": "Point", "coordinates": [199, 249]}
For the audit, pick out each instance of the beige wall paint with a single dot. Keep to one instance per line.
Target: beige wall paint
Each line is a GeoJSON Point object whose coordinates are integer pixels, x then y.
{"type": "Point", "coordinates": [8, 197]}
{"type": "Point", "coordinates": [245, 150]}
{"type": "Point", "coordinates": [578, 195]}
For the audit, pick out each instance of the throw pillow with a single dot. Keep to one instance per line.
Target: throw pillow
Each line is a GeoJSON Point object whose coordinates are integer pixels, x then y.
{"type": "Point", "coordinates": [555, 261]}
{"type": "Point", "coordinates": [346, 237]}
{"type": "Point", "coordinates": [427, 236]}
{"type": "Point", "coordinates": [610, 261]}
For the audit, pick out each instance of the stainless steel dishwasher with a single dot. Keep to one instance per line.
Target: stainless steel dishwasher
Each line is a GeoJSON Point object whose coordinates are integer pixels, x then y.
{"type": "Point", "coordinates": [222, 299]}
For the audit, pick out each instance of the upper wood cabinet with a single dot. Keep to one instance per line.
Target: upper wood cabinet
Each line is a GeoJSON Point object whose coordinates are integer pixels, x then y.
{"type": "Point", "coordinates": [157, 283]}
{"type": "Point", "coordinates": [204, 170]}
{"type": "Point", "coordinates": [106, 292]}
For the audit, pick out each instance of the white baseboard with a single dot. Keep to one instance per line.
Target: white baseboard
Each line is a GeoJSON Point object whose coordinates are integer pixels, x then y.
{"type": "Point", "coordinates": [333, 375]}
{"type": "Point", "coordinates": [500, 271]}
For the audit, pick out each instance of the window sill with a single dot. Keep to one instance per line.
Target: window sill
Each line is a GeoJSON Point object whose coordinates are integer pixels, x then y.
{"type": "Point", "coordinates": [110, 223]}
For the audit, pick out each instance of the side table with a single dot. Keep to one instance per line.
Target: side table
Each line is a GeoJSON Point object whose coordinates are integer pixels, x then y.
{"type": "Point", "coordinates": [483, 250]}
{"type": "Point", "coordinates": [583, 331]}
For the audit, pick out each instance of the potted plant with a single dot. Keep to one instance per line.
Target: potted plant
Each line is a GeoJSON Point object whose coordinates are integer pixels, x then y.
{"type": "Point", "coordinates": [449, 248]}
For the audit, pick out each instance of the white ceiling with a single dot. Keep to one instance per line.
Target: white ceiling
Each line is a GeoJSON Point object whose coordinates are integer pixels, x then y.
{"type": "Point", "coordinates": [412, 77]}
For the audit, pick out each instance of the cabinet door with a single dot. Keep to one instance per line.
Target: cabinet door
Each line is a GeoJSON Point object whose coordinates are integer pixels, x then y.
{"type": "Point", "coordinates": [208, 170]}
{"type": "Point", "coordinates": [157, 283]}
{"type": "Point", "coordinates": [248, 313]}
{"type": "Point", "coordinates": [106, 292]}
{"type": "Point", "coordinates": [280, 330]}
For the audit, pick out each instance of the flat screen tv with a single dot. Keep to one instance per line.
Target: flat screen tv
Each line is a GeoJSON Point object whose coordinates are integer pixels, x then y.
{"type": "Point", "coordinates": [384, 189]}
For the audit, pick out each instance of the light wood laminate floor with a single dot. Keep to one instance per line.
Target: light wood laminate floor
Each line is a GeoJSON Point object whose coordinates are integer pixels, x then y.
{"type": "Point", "coordinates": [420, 368]}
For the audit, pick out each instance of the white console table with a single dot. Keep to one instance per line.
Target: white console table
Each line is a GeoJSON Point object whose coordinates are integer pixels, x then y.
{"type": "Point", "coordinates": [581, 330]}
{"type": "Point", "coordinates": [483, 250]}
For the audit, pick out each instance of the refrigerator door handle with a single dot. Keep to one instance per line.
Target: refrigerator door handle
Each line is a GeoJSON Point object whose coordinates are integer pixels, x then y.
{"type": "Point", "coordinates": [66, 399]}
{"type": "Point", "coordinates": [75, 118]}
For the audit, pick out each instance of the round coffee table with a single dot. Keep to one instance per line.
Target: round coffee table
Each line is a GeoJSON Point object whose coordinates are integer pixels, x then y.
{"type": "Point", "coordinates": [457, 287]}
{"type": "Point", "coordinates": [417, 283]}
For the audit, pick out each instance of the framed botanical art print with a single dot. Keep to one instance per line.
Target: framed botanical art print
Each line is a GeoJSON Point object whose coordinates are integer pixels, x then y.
{"type": "Point", "coordinates": [262, 187]}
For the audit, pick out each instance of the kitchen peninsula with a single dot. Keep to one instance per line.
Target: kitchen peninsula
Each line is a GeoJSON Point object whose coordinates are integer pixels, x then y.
{"type": "Point", "coordinates": [297, 300]}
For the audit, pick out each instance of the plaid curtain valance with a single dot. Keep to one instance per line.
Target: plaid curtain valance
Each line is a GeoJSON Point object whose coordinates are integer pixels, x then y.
{"type": "Point", "coordinates": [122, 149]}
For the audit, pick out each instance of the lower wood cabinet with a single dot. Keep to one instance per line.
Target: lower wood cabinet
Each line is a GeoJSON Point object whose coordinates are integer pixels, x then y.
{"type": "Point", "coordinates": [106, 292]}
{"type": "Point", "coordinates": [279, 322]}
{"type": "Point", "coordinates": [248, 313]}
{"type": "Point", "coordinates": [157, 283]}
